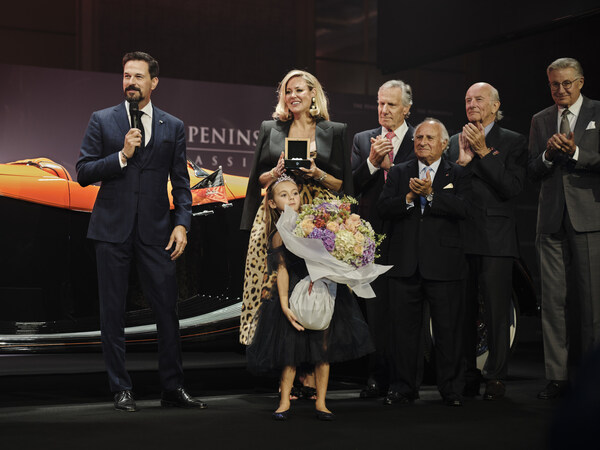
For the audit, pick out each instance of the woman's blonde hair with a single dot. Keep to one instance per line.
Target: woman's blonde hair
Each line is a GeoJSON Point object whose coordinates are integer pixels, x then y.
{"type": "Point", "coordinates": [318, 108]}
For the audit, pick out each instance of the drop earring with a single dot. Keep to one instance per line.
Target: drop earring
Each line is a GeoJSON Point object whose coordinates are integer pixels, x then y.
{"type": "Point", "coordinates": [313, 108]}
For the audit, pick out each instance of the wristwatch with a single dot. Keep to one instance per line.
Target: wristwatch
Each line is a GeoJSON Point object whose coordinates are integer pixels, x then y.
{"type": "Point", "coordinates": [429, 197]}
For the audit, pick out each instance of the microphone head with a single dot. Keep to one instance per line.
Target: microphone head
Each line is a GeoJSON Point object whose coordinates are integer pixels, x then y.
{"type": "Point", "coordinates": [134, 106]}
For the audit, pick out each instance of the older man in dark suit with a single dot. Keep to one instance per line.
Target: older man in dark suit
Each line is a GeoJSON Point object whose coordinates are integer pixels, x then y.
{"type": "Point", "coordinates": [131, 221]}
{"type": "Point", "coordinates": [425, 200]}
{"type": "Point", "coordinates": [374, 152]}
{"type": "Point", "coordinates": [564, 155]}
{"type": "Point", "coordinates": [497, 160]}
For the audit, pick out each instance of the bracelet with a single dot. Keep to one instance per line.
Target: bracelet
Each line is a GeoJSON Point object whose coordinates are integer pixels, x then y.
{"type": "Point", "coordinates": [322, 177]}
{"type": "Point", "coordinates": [124, 155]}
{"type": "Point", "coordinates": [272, 174]}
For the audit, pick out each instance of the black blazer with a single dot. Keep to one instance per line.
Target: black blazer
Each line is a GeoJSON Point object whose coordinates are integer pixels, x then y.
{"type": "Point", "coordinates": [497, 179]}
{"type": "Point", "coordinates": [429, 243]}
{"type": "Point", "coordinates": [367, 186]}
{"type": "Point", "coordinates": [333, 156]}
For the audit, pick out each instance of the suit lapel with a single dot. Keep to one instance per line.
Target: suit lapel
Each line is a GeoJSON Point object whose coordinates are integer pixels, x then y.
{"type": "Point", "coordinates": [586, 113]}
{"type": "Point", "coordinates": [121, 118]}
{"type": "Point", "coordinates": [443, 176]}
{"type": "Point", "coordinates": [493, 137]}
{"type": "Point", "coordinates": [551, 121]}
{"type": "Point", "coordinates": [324, 140]}
{"type": "Point", "coordinates": [277, 139]}
{"type": "Point", "coordinates": [406, 147]}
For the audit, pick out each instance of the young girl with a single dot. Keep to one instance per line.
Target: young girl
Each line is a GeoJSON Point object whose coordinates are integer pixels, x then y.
{"type": "Point", "coordinates": [280, 342]}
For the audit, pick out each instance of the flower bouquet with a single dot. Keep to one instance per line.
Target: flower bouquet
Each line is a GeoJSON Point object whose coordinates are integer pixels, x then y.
{"type": "Point", "coordinates": [334, 243]}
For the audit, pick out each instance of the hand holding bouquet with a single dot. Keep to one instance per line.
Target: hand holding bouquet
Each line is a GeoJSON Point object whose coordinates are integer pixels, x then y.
{"type": "Point", "coordinates": [334, 243]}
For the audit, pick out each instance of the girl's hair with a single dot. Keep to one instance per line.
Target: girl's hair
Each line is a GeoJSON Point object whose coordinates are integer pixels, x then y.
{"type": "Point", "coordinates": [272, 214]}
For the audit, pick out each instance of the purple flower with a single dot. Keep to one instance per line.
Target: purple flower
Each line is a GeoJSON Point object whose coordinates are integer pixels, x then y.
{"type": "Point", "coordinates": [327, 236]}
{"type": "Point", "coordinates": [369, 252]}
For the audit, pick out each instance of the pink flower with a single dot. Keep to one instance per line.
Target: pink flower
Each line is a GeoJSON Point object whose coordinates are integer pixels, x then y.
{"type": "Point", "coordinates": [307, 225]}
{"type": "Point", "coordinates": [333, 226]}
{"type": "Point", "coordinates": [352, 223]}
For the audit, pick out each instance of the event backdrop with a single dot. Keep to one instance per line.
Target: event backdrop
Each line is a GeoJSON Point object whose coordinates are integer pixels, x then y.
{"type": "Point", "coordinates": [44, 113]}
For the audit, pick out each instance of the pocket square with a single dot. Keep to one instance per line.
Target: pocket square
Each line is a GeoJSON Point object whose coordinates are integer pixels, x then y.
{"type": "Point", "coordinates": [591, 125]}
{"type": "Point", "coordinates": [448, 186]}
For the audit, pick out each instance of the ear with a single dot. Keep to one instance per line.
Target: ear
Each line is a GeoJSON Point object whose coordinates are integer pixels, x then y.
{"type": "Point", "coordinates": [272, 204]}
{"type": "Point", "coordinates": [154, 83]}
{"type": "Point", "coordinates": [495, 106]}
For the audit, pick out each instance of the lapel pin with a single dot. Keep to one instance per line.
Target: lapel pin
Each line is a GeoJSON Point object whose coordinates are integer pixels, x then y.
{"type": "Point", "coordinates": [160, 121]}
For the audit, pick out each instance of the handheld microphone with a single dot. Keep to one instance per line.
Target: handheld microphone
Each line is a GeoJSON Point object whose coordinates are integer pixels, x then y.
{"type": "Point", "coordinates": [134, 112]}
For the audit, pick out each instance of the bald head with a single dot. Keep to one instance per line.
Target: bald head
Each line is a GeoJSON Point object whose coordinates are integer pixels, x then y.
{"type": "Point", "coordinates": [482, 104]}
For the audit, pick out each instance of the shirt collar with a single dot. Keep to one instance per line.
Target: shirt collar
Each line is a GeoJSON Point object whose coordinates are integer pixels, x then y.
{"type": "Point", "coordinates": [146, 109]}
{"type": "Point", "coordinates": [434, 166]}
{"type": "Point", "coordinates": [399, 132]}
{"type": "Point", "coordinates": [488, 128]}
{"type": "Point", "coordinates": [574, 108]}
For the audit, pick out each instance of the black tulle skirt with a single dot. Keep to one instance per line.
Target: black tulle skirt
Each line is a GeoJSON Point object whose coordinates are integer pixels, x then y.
{"type": "Point", "coordinates": [277, 343]}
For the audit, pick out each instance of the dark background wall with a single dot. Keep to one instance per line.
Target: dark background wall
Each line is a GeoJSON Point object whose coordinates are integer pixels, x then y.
{"type": "Point", "coordinates": [352, 46]}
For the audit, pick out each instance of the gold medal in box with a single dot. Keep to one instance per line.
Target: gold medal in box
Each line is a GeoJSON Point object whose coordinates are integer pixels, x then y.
{"type": "Point", "coordinates": [297, 153]}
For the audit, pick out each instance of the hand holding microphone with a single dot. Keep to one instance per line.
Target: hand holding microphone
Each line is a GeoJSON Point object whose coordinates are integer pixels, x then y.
{"type": "Point", "coordinates": [135, 136]}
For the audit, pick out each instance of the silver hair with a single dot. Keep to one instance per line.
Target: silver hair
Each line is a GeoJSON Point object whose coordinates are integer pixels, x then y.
{"type": "Point", "coordinates": [406, 90]}
{"type": "Point", "coordinates": [445, 135]}
{"type": "Point", "coordinates": [566, 63]}
{"type": "Point", "coordinates": [495, 97]}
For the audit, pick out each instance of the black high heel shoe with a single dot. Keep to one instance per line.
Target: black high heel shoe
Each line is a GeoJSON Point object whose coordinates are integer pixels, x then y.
{"type": "Point", "coordinates": [326, 416]}
{"type": "Point", "coordinates": [283, 415]}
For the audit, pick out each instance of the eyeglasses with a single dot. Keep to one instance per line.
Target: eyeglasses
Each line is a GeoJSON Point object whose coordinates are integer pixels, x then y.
{"type": "Point", "coordinates": [555, 86]}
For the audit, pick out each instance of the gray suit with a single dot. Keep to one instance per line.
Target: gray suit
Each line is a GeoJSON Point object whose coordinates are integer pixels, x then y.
{"type": "Point", "coordinates": [568, 234]}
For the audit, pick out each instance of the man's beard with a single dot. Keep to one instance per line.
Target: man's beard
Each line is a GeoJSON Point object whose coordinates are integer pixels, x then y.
{"type": "Point", "coordinates": [132, 98]}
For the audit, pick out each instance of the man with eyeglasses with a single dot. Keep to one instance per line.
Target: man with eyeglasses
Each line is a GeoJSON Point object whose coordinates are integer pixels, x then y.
{"type": "Point", "coordinates": [564, 156]}
{"type": "Point", "coordinates": [497, 159]}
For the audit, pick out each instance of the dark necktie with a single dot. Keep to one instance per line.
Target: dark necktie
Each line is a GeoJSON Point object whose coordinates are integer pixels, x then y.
{"type": "Point", "coordinates": [565, 127]}
{"type": "Point", "coordinates": [141, 127]}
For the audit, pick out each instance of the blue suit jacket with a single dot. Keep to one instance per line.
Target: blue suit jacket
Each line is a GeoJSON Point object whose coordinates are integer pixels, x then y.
{"type": "Point", "coordinates": [139, 189]}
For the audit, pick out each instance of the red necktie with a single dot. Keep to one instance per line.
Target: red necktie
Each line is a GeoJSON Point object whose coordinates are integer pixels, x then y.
{"type": "Point", "coordinates": [390, 135]}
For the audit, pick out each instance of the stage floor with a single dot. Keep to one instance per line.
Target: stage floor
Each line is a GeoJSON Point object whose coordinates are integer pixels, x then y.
{"type": "Point", "coordinates": [62, 401]}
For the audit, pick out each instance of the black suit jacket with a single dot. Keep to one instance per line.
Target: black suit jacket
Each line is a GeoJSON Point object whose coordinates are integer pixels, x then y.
{"type": "Point", "coordinates": [428, 242]}
{"type": "Point", "coordinates": [333, 156]}
{"type": "Point", "coordinates": [138, 192]}
{"type": "Point", "coordinates": [367, 186]}
{"type": "Point", "coordinates": [497, 179]}
{"type": "Point", "coordinates": [575, 184]}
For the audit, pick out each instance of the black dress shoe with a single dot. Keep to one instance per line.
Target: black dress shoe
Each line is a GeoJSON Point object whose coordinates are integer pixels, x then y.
{"type": "Point", "coordinates": [180, 399]}
{"type": "Point", "coordinates": [554, 389]}
{"type": "Point", "coordinates": [494, 389]}
{"type": "Point", "coordinates": [371, 391]}
{"type": "Point", "coordinates": [283, 415]}
{"type": "Point", "coordinates": [124, 401]}
{"type": "Point", "coordinates": [396, 398]}
{"type": "Point", "coordinates": [453, 400]}
{"type": "Point", "coordinates": [326, 416]}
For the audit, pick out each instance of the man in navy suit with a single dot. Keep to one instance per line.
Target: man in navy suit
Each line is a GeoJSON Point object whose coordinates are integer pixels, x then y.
{"type": "Point", "coordinates": [131, 220]}
{"type": "Point", "coordinates": [426, 200]}
{"type": "Point", "coordinates": [374, 152]}
{"type": "Point", "coordinates": [564, 156]}
{"type": "Point", "coordinates": [497, 159]}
